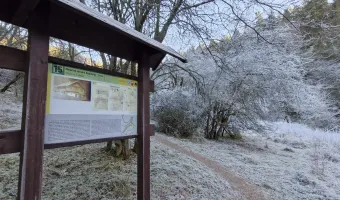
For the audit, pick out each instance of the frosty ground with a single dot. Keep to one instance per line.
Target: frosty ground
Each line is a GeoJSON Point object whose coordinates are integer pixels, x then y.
{"type": "Point", "coordinates": [291, 161]}
{"type": "Point", "coordinates": [282, 165]}
{"type": "Point", "coordinates": [88, 172]}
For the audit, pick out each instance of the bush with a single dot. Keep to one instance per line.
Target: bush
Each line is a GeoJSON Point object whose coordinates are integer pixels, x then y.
{"type": "Point", "coordinates": [175, 112]}
{"type": "Point", "coordinates": [175, 121]}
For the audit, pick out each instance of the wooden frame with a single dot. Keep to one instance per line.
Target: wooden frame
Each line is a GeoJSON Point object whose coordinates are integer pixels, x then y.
{"type": "Point", "coordinates": [14, 59]}
{"type": "Point", "coordinates": [143, 120]}
{"type": "Point", "coordinates": [84, 26]}
{"type": "Point", "coordinates": [17, 141]}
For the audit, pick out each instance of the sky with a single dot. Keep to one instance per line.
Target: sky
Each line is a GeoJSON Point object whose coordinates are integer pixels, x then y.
{"type": "Point", "coordinates": [181, 42]}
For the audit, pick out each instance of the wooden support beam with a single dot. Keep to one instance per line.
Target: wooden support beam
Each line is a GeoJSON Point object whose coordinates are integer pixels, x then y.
{"type": "Point", "coordinates": [12, 141]}
{"type": "Point", "coordinates": [156, 59]}
{"type": "Point", "coordinates": [23, 11]}
{"type": "Point", "coordinates": [152, 86]}
{"type": "Point", "coordinates": [23, 125]}
{"type": "Point", "coordinates": [68, 144]}
{"type": "Point", "coordinates": [13, 59]}
{"type": "Point", "coordinates": [143, 124]}
{"type": "Point", "coordinates": [37, 67]}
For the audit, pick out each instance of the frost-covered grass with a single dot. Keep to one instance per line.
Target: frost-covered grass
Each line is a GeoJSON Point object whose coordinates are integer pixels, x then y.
{"type": "Point", "coordinates": [291, 163]}
{"type": "Point", "coordinates": [304, 133]}
{"type": "Point", "coordinates": [87, 172]}
{"type": "Point", "coordinates": [176, 176]}
{"type": "Point", "coordinates": [10, 110]}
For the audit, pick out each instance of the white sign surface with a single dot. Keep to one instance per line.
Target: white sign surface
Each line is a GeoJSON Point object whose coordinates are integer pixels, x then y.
{"type": "Point", "coordinates": [84, 105]}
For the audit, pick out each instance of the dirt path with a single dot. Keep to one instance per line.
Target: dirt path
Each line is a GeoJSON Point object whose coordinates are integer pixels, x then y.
{"type": "Point", "coordinates": [249, 191]}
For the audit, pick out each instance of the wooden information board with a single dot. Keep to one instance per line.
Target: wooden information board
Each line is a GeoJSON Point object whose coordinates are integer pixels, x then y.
{"type": "Point", "coordinates": [67, 103]}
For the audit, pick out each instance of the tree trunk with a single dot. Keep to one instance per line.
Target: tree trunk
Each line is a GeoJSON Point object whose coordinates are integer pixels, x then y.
{"type": "Point", "coordinates": [118, 148]}
{"type": "Point", "coordinates": [113, 63]}
{"type": "Point", "coordinates": [71, 52]}
{"type": "Point", "coordinates": [105, 65]}
{"type": "Point", "coordinates": [125, 67]}
{"type": "Point", "coordinates": [108, 146]}
{"type": "Point", "coordinates": [207, 125]}
{"type": "Point", "coordinates": [125, 149]}
{"type": "Point", "coordinates": [135, 146]}
{"type": "Point", "coordinates": [121, 148]}
{"type": "Point", "coordinates": [133, 69]}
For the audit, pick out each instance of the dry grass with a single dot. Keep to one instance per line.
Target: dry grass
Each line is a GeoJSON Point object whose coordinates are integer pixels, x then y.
{"type": "Point", "coordinates": [88, 172]}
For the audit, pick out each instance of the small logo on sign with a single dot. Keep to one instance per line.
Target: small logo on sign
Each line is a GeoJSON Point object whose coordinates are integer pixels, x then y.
{"type": "Point", "coordinates": [57, 69]}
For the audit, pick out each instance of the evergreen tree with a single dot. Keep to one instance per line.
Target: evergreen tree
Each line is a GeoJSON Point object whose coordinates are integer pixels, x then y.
{"type": "Point", "coordinates": [260, 24]}
{"type": "Point", "coordinates": [271, 21]}
{"type": "Point", "coordinates": [314, 10]}
{"type": "Point", "coordinates": [315, 18]}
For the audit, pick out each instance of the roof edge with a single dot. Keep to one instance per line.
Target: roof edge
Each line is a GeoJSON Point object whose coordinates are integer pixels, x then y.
{"type": "Point", "coordinates": [124, 29]}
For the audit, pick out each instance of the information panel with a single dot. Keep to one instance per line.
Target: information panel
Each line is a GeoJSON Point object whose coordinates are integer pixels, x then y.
{"type": "Point", "coordinates": [84, 105]}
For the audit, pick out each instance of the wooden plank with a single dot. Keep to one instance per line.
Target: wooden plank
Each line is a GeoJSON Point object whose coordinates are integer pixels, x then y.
{"type": "Point", "coordinates": [32, 152]}
{"type": "Point", "coordinates": [7, 9]}
{"type": "Point", "coordinates": [143, 120]}
{"type": "Point", "coordinates": [11, 58]}
{"type": "Point", "coordinates": [156, 59]}
{"type": "Point", "coordinates": [23, 9]}
{"type": "Point", "coordinates": [68, 144]}
{"type": "Point", "coordinates": [23, 124]}
{"type": "Point", "coordinates": [14, 59]}
{"type": "Point", "coordinates": [10, 141]}
{"type": "Point", "coordinates": [76, 28]}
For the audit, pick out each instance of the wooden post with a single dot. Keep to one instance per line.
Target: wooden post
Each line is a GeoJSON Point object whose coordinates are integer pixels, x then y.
{"type": "Point", "coordinates": [143, 125]}
{"type": "Point", "coordinates": [23, 124]}
{"type": "Point", "coordinates": [31, 166]}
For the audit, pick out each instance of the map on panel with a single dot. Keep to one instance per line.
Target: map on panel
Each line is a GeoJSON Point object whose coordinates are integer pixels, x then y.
{"type": "Point", "coordinates": [131, 99]}
{"type": "Point", "coordinates": [116, 99]}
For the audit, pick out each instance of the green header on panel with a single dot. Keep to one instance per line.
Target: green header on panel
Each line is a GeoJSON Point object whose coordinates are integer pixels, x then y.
{"type": "Point", "coordinates": [88, 75]}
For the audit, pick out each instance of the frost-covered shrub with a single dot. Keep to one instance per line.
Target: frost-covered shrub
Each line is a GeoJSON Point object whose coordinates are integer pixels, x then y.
{"type": "Point", "coordinates": [175, 121]}
{"type": "Point", "coordinates": [244, 80]}
{"type": "Point", "coordinates": [326, 75]}
{"type": "Point", "coordinates": [175, 113]}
